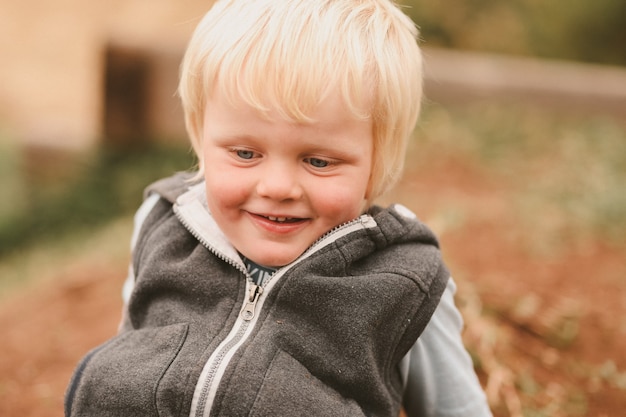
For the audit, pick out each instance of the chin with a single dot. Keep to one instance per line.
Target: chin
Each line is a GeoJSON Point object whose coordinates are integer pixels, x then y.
{"type": "Point", "coordinates": [277, 261]}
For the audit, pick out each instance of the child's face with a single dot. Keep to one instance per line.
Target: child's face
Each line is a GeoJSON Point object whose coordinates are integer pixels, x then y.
{"type": "Point", "coordinates": [273, 186]}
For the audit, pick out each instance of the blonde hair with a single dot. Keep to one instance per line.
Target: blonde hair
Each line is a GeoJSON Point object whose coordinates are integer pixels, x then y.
{"type": "Point", "coordinates": [287, 56]}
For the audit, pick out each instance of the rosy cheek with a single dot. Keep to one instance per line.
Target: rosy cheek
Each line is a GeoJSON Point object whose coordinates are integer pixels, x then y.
{"type": "Point", "coordinates": [225, 192]}
{"type": "Point", "coordinates": [344, 207]}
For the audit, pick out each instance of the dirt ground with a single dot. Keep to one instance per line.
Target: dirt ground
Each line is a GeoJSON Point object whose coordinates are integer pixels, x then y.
{"type": "Point", "coordinates": [549, 331]}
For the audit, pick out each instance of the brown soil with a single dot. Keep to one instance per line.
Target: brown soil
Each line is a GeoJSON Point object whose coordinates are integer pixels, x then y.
{"type": "Point", "coordinates": [555, 323]}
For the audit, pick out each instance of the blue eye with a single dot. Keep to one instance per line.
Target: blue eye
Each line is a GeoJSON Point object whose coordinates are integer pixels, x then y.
{"type": "Point", "coordinates": [245, 154]}
{"type": "Point", "coordinates": [318, 163]}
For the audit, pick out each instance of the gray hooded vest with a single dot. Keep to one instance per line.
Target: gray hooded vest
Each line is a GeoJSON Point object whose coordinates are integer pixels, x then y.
{"type": "Point", "coordinates": [323, 336]}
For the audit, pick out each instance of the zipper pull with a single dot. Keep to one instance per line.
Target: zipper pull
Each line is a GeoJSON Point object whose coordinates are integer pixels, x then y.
{"type": "Point", "coordinates": [247, 313]}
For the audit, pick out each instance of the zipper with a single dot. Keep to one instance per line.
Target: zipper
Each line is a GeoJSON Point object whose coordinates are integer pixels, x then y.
{"type": "Point", "coordinates": [248, 312]}
{"type": "Point", "coordinates": [214, 368]}
{"type": "Point", "coordinates": [364, 220]}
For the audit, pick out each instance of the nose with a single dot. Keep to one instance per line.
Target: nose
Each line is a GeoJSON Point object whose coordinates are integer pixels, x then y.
{"type": "Point", "coordinates": [278, 181]}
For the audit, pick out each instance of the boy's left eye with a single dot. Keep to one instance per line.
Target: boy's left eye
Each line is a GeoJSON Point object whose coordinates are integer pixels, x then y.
{"type": "Point", "coordinates": [245, 154]}
{"type": "Point", "coordinates": [317, 163]}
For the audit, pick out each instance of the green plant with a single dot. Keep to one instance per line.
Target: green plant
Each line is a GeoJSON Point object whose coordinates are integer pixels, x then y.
{"type": "Point", "coordinates": [109, 183]}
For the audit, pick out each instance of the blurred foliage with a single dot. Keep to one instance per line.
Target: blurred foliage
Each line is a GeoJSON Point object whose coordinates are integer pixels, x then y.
{"type": "Point", "coordinates": [567, 172]}
{"type": "Point", "coordinates": [581, 30]}
{"type": "Point", "coordinates": [10, 178]}
{"type": "Point", "coordinates": [107, 184]}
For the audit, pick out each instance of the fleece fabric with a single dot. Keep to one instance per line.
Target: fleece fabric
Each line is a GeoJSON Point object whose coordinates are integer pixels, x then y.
{"type": "Point", "coordinates": [326, 339]}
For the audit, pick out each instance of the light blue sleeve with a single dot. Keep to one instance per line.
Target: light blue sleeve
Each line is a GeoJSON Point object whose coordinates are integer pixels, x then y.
{"type": "Point", "coordinates": [129, 283]}
{"type": "Point", "coordinates": [140, 216]}
{"type": "Point", "coordinates": [441, 381]}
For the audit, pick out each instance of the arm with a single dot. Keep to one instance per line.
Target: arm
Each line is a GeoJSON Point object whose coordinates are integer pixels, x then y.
{"type": "Point", "coordinates": [441, 377]}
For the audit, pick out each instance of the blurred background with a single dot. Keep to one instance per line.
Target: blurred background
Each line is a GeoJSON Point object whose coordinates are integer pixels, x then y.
{"type": "Point", "coordinates": [518, 163]}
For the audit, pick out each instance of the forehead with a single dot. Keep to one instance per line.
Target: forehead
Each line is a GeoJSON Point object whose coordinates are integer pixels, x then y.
{"type": "Point", "coordinates": [233, 115]}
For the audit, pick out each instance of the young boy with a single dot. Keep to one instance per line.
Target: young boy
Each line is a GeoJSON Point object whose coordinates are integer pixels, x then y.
{"type": "Point", "coordinates": [269, 284]}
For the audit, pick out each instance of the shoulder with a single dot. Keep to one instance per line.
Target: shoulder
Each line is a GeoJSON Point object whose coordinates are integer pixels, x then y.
{"type": "Point", "coordinates": [399, 251]}
{"type": "Point", "coordinates": [157, 205]}
{"type": "Point", "coordinates": [404, 245]}
{"type": "Point", "coordinates": [398, 223]}
{"type": "Point", "coordinates": [171, 187]}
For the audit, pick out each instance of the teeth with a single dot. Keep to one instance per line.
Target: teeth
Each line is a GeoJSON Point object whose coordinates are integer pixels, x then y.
{"type": "Point", "coordinates": [277, 219]}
